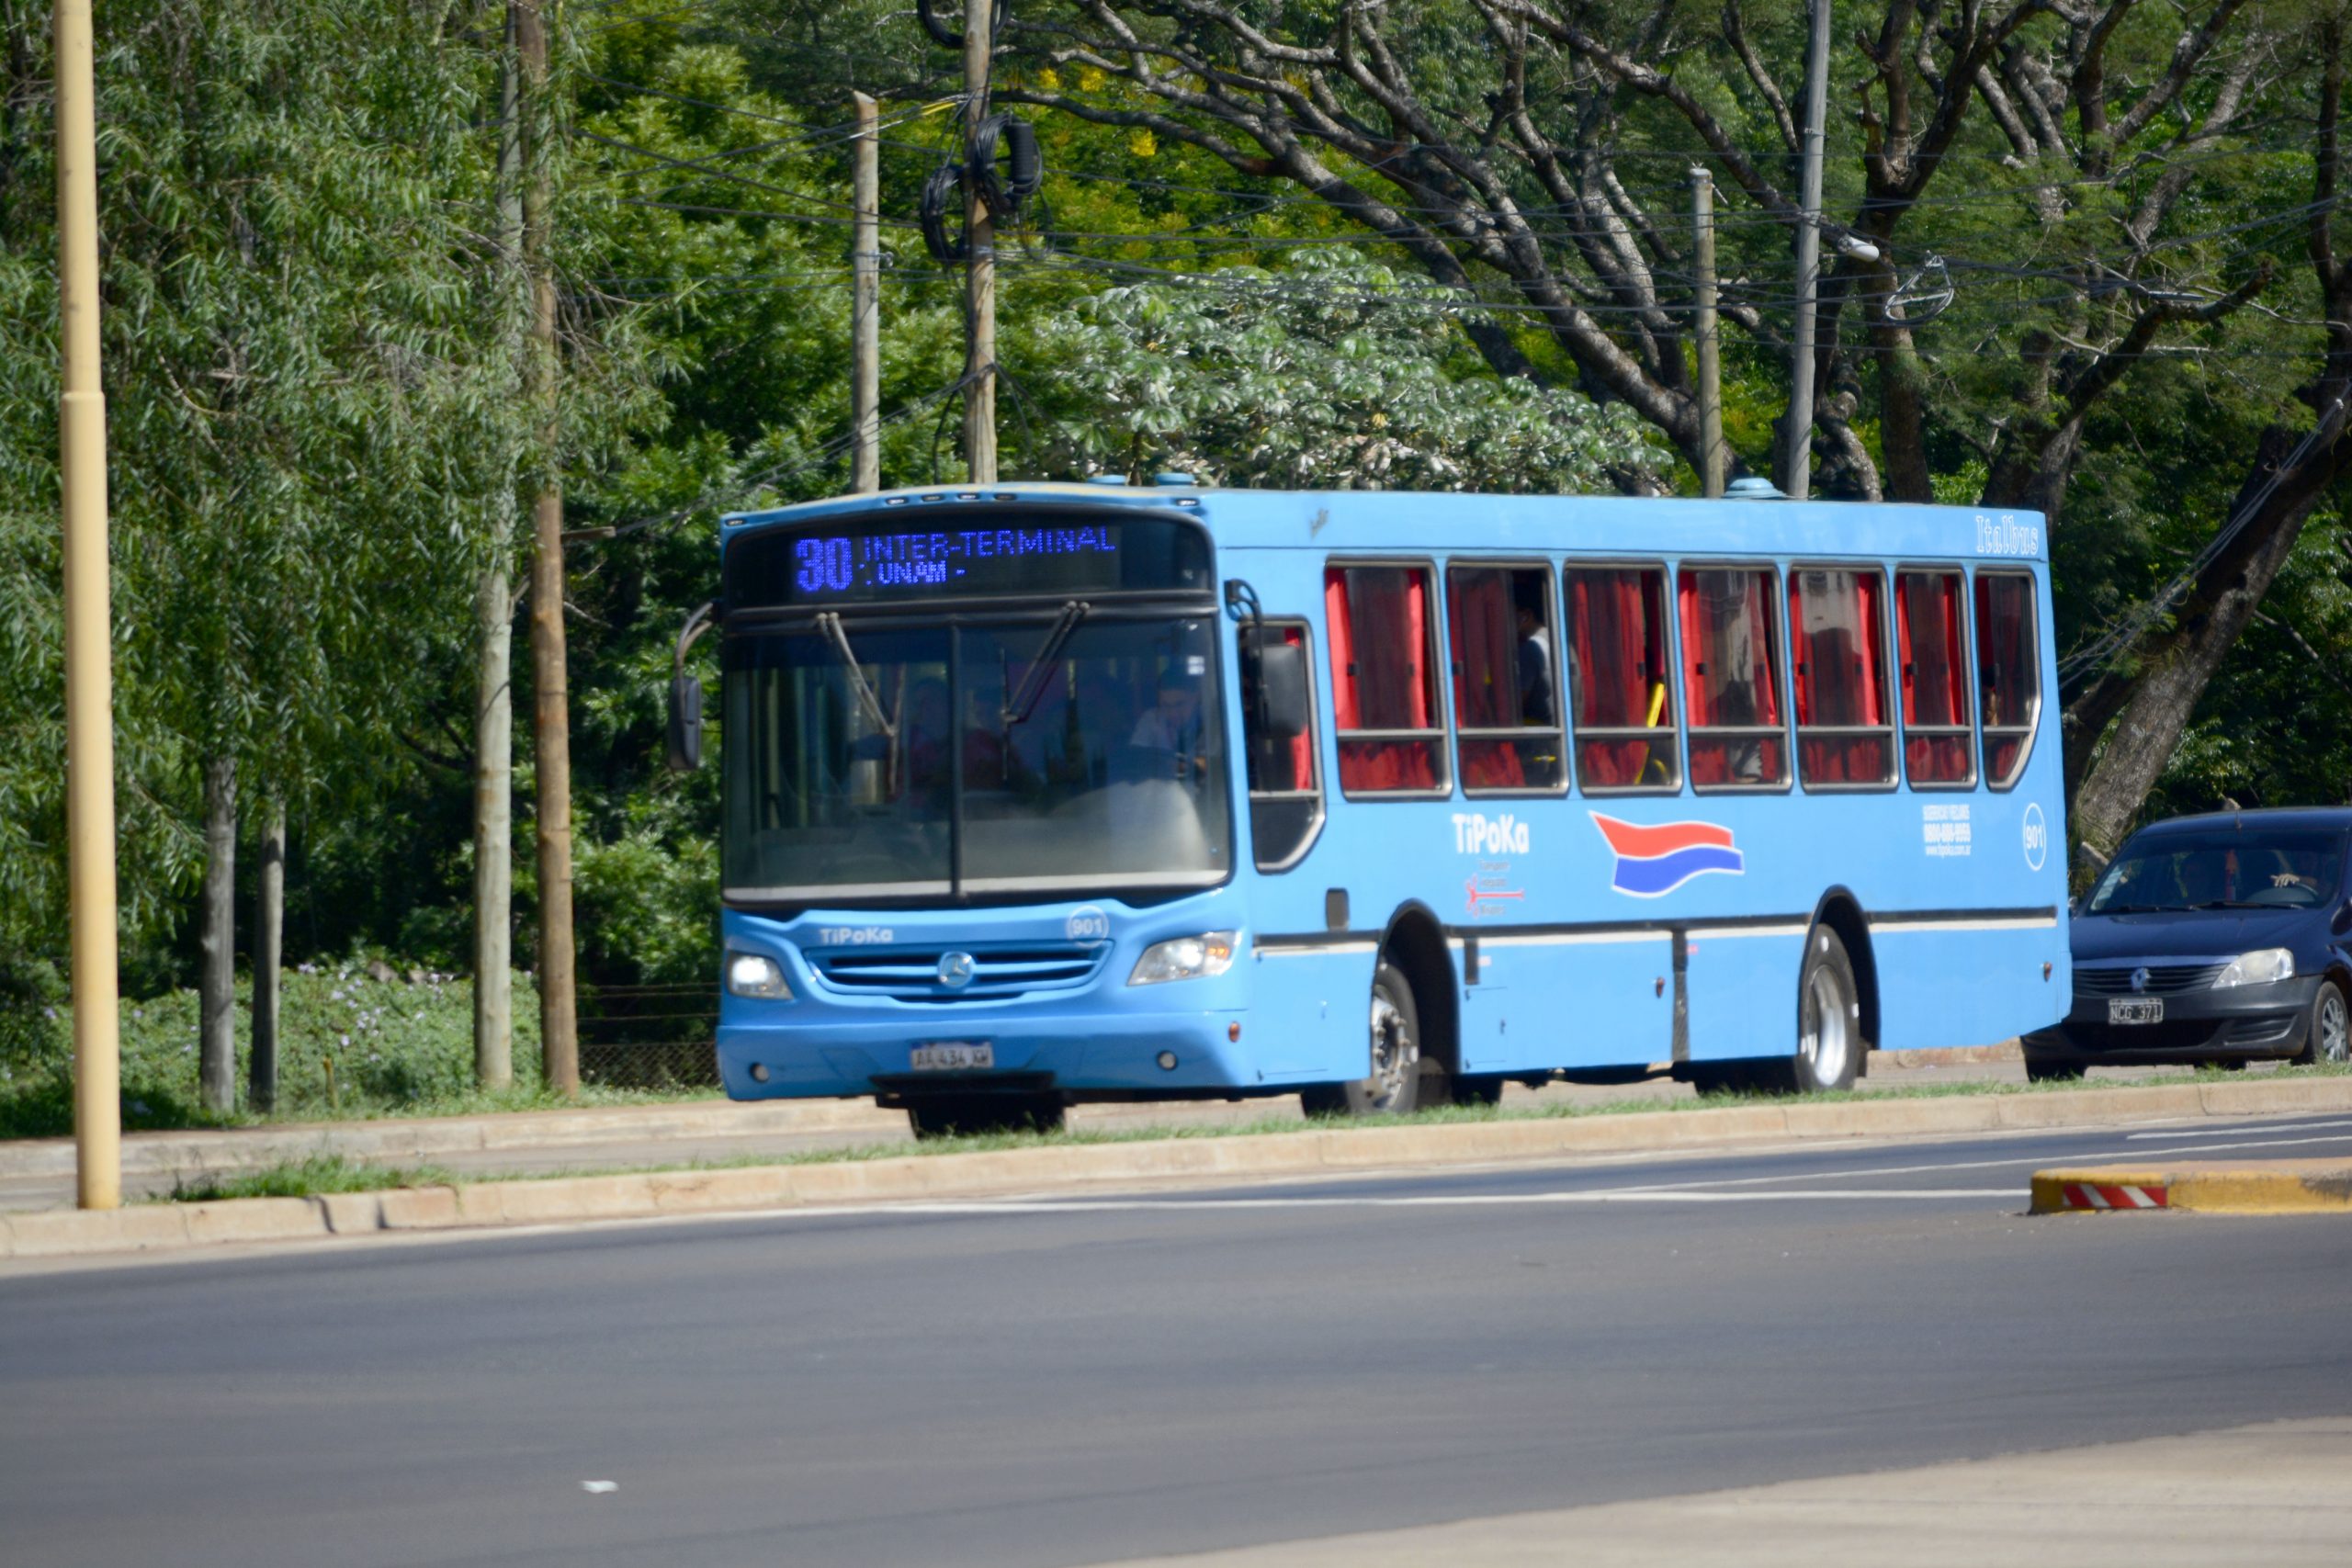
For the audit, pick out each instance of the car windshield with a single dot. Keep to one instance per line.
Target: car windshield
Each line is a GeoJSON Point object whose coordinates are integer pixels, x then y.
{"type": "Point", "coordinates": [1058, 752]}
{"type": "Point", "coordinates": [2251, 867]}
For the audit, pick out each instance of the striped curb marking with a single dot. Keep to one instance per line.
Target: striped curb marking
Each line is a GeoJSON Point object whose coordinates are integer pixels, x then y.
{"type": "Point", "coordinates": [2115, 1195]}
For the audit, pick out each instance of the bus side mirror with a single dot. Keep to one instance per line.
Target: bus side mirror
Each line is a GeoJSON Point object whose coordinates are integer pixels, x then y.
{"type": "Point", "coordinates": [685, 723]}
{"type": "Point", "coordinates": [1282, 688]}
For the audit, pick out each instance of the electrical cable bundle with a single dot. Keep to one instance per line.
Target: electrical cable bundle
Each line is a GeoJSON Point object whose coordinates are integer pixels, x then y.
{"type": "Point", "coordinates": [1004, 191]}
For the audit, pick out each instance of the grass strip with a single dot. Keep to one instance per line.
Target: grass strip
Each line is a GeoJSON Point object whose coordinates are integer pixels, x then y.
{"type": "Point", "coordinates": [335, 1173]}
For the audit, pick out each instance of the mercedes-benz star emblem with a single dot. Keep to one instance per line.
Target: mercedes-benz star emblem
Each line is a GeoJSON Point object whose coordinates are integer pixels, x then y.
{"type": "Point", "coordinates": [2139, 978]}
{"type": "Point", "coordinates": [955, 969]}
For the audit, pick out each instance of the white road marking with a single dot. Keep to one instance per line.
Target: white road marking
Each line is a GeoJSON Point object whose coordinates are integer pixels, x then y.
{"type": "Point", "coordinates": [1423, 1201]}
{"type": "Point", "coordinates": [2306, 1127]}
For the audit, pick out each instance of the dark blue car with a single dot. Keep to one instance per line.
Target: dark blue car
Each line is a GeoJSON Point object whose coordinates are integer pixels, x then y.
{"type": "Point", "coordinates": [2220, 939]}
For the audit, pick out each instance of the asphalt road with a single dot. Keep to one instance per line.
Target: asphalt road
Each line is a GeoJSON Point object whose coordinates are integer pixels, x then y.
{"type": "Point", "coordinates": [1068, 1382]}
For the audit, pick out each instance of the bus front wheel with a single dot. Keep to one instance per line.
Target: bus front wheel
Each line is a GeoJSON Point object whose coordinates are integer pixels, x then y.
{"type": "Point", "coordinates": [1395, 1087]}
{"type": "Point", "coordinates": [1829, 1023]}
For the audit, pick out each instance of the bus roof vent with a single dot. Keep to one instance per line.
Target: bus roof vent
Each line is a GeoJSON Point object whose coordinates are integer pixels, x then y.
{"type": "Point", "coordinates": [1106, 479]}
{"type": "Point", "coordinates": [1171, 479]}
{"type": "Point", "coordinates": [1753, 487]}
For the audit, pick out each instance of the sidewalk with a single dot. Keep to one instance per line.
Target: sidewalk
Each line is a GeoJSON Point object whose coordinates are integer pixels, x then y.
{"type": "Point", "coordinates": [37, 1174]}
{"type": "Point", "coordinates": [2272, 1494]}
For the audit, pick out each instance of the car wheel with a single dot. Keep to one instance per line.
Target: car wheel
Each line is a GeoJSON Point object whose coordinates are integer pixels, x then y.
{"type": "Point", "coordinates": [2329, 1038]}
{"type": "Point", "coordinates": [1395, 1087]}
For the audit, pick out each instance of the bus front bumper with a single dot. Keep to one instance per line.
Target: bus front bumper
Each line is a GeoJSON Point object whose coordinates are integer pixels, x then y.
{"type": "Point", "coordinates": [1081, 1056]}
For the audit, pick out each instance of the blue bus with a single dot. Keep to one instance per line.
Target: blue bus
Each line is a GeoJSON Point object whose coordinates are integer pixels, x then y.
{"type": "Point", "coordinates": [1041, 793]}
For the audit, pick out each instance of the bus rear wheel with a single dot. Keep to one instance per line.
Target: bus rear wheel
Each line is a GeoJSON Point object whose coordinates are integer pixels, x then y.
{"type": "Point", "coordinates": [1395, 1087]}
{"type": "Point", "coordinates": [947, 1115]}
{"type": "Point", "coordinates": [1829, 1024]}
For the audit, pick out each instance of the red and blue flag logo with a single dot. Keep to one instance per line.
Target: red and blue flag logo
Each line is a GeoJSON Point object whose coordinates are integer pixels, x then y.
{"type": "Point", "coordinates": [1654, 860]}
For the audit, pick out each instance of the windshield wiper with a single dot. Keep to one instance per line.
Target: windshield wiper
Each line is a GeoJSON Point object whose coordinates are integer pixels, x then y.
{"type": "Point", "coordinates": [1041, 668]}
{"type": "Point", "coordinates": [2236, 903]}
{"type": "Point", "coordinates": [2134, 908]}
{"type": "Point", "coordinates": [830, 624]}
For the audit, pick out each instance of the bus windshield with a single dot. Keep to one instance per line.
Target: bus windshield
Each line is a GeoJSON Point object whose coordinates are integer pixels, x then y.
{"type": "Point", "coordinates": [1052, 752]}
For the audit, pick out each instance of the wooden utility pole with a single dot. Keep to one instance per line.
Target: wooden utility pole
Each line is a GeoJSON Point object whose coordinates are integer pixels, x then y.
{"type": "Point", "coordinates": [979, 274]}
{"type": "Point", "coordinates": [269, 938]}
{"type": "Point", "coordinates": [89, 647]}
{"type": "Point", "coordinates": [559, 1003]}
{"type": "Point", "coordinates": [1796, 459]}
{"type": "Point", "coordinates": [493, 676]}
{"type": "Point", "coordinates": [1702, 292]}
{"type": "Point", "coordinates": [866, 304]}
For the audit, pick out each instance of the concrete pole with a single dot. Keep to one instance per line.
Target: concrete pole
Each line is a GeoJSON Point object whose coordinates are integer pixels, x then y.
{"type": "Point", "coordinates": [865, 305]}
{"type": "Point", "coordinates": [493, 961]}
{"type": "Point", "coordinates": [89, 649]}
{"type": "Point", "coordinates": [1711, 380]}
{"type": "Point", "coordinates": [269, 960]}
{"type": "Point", "coordinates": [980, 276]}
{"type": "Point", "coordinates": [1797, 457]}
{"type": "Point", "coordinates": [552, 719]}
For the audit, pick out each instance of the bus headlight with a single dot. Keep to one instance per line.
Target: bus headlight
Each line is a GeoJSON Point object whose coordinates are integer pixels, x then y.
{"type": "Point", "coordinates": [756, 975]}
{"type": "Point", "coordinates": [2257, 969]}
{"type": "Point", "coordinates": [1185, 958]}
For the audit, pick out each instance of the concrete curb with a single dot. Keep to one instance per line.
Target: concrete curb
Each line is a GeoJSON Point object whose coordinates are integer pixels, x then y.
{"type": "Point", "coordinates": [1316, 1151]}
{"type": "Point", "coordinates": [2234, 1187]}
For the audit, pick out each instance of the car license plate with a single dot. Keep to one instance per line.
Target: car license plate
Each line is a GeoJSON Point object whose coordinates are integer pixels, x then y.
{"type": "Point", "coordinates": [2136, 1009]}
{"type": "Point", "coordinates": [953, 1056]}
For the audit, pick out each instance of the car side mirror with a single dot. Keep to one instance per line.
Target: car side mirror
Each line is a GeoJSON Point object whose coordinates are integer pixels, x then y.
{"type": "Point", "coordinates": [685, 723]}
{"type": "Point", "coordinates": [1282, 689]}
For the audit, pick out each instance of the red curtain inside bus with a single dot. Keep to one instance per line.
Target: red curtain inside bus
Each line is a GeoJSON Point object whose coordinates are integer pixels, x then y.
{"type": "Point", "coordinates": [2007, 675]}
{"type": "Point", "coordinates": [1484, 634]}
{"type": "Point", "coordinates": [1380, 676]}
{"type": "Point", "coordinates": [1835, 622]}
{"type": "Point", "coordinates": [1927, 633]}
{"type": "Point", "coordinates": [1731, 676]}
{"type": "Point", "coordinates": [1617, 673]}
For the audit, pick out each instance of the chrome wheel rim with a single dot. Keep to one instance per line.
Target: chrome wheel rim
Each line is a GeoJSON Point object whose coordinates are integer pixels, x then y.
{"type": "Point", "coordinates": [2334, 1029]}
{"type": "Point", "coordinates": [1393, 1056]}
{"type": "Point", "coordinates": [1823, 1035]}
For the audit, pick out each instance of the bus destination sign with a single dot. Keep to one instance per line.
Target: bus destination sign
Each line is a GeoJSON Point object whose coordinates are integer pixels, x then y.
{"type": "Point", "coordinates": [868, 566]}
{"type": "Point", "coordinates": [885, 562]}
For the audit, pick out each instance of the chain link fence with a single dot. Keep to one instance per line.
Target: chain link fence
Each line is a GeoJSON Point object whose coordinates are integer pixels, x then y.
{"type": "Point", "coordinates": [649, 1036]}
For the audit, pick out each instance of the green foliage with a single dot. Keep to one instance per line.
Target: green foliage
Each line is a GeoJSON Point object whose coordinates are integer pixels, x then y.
{"type": "Point", "coordinates": [306, 1178]}
{"type": "Point", "coordinates": [349, 1045]}
{"type": "Point", "coordinates": [1333, 373]}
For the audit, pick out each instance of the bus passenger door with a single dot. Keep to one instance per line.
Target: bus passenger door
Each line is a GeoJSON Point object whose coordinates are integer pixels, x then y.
{"type": "Point", "coordinates": [1301, 974]}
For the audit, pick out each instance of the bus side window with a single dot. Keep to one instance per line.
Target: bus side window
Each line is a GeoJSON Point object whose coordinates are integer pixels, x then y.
{"type": "Point", "coordinates": [1384, 687]}
{"type": "Point", "coordinates": [2007, 677]}
{"type": "Point", "coordinates": [1932, 642]}
{"type": "Point", "coordinates": [1621, 705]}
{"type": "Point", "coordinates": [1837, 625]}
{"type": "Point", "coordinates": [1731, 679]}
{"type": "Point", "coordinates": [1506, 680]}
{"type": "Point", "coordinates": [1285, 796]}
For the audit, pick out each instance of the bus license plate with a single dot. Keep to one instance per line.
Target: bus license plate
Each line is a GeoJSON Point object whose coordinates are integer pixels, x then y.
{"type": "Point", "coordinates": [953, 1056]}
{"type": "Point", "coordinates": [2135, 1011]}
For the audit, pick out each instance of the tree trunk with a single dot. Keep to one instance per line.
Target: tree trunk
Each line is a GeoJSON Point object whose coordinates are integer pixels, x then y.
{"type": "Point", "coordinates": [269, 934]}
{"type": "Point", "coordinates": [2142, 717]}
{"type": "Point", "coordinates": [217, 935]}
{"type": "Point", "coordinates": [551, 714]}
{"type": "Point", "coordinates": [494, 835]}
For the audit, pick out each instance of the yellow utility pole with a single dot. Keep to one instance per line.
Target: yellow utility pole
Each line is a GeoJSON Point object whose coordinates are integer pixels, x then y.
{"type": "Point", "coordinates": [89, 652]}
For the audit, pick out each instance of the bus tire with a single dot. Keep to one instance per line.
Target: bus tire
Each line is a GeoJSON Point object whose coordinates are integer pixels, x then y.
{"type": "Point", "coordinates": [1395, 1087]}
{"type": "Point", "coordinates": [1829, 1023]}
{"type": "Point", "coordinates": [949, 1115]}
